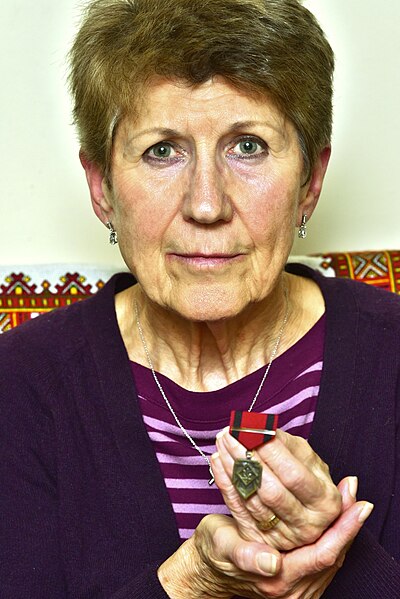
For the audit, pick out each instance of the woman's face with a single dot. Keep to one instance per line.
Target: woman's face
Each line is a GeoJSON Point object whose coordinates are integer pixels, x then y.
{"type": "Point", "coordinates": [207, 189]}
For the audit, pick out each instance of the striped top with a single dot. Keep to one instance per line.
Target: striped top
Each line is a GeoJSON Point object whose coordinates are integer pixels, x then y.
{"type": "Point", "coordinates": [290, 390]}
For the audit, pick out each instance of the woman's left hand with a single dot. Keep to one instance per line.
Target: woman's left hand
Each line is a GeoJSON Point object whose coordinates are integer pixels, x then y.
{"type": "Point", "coordinates": [296, 487]}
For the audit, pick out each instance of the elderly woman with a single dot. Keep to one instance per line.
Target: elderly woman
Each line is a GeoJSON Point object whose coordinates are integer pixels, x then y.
{"type": "Point", "coordinates": [205, 134]}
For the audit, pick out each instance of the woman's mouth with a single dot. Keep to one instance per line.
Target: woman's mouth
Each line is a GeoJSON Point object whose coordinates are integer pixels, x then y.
{"type": "Point", "coordinates": [204, 261]}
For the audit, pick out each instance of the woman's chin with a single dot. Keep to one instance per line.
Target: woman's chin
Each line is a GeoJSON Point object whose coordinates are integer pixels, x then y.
{"type": "Point", "coordinates": [208, 305]}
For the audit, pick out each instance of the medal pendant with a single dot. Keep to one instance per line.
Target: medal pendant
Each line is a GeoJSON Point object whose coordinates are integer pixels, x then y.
{"type": "Point", "coordinates": [247, 476]}
{"type": "Point", "coordinates": [251, 430]}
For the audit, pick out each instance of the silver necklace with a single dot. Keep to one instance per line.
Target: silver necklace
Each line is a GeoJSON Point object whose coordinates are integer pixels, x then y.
{"type": "Point", "coordinates": [165, 398]}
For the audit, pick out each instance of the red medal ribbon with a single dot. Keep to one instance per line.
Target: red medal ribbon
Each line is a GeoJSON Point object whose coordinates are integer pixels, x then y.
{"type": "Point", "coordinates": [252, 429]}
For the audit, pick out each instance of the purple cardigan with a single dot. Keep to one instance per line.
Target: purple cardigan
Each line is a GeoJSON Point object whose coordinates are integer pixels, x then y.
{"type": "Point", "coordinates": [84, 512]}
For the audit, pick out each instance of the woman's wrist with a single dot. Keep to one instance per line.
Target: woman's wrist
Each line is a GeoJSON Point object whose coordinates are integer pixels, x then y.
{"type": "Point", "coordinates": [185, 575]}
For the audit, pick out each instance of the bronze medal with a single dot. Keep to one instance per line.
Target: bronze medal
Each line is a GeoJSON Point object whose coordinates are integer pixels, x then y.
{"type": "Point", "coordinates": [251, 430]}
{"type": "Point", "coordinates": [247, 476]}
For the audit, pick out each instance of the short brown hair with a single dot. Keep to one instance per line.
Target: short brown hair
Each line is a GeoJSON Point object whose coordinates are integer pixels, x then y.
{"type": "Point", "coordinates": [275, 48]}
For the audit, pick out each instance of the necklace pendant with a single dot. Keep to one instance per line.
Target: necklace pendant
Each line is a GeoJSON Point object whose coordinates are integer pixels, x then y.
{"type": "Point", "coordinates": [247, 476]}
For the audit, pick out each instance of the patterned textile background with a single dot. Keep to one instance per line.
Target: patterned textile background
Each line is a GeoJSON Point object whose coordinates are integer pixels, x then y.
{"type": "Point", "coordinates": [28, 291]}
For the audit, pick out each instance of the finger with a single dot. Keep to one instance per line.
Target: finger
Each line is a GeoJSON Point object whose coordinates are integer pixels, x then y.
{"type": "Point", "coordinates": [302, 471]}
{"type": "Point", "coordinates": [328, 550]}
{"type": "Point", "coordinates": [247, 523]}
{"type": "Point", "coordinates": [310, 484]}
{"type": "Point", "coordinates": [275, 455]}
{"type": "Point", "coordinates": [220, 475]}
{"type": "Point", "coordinates": [298, 446]}
{"type": "Point", "coordinates": [298, 525]}
{"type": "Point", "coordinates": [234, 502]}
{"type": "Point", "coordinates": [272, 495]}
{"type": "Point", "coordinates": [228, 457]}
{"type": "Point", "coordinates": [247, 556]}
{"type": "Point", "coordinates": [231, 497]}
{"type": "Point", "coordinates": [254, 514]}
{"type": "Point", "coordinates": [300, 449]}
{"type": "Point", "coordinates": [348, 489]}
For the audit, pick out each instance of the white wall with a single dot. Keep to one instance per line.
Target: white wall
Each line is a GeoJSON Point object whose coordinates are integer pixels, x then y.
{"type": "Point", "coordinates": [44, 207]}
{"type": "Point", "coordinates": [360, 205]}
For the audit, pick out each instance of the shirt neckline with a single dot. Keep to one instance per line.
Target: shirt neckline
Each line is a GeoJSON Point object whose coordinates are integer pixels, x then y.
{"type": "Point", "coordinates": [295, 360]}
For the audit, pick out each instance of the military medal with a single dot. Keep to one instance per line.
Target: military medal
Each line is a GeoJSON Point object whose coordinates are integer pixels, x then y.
{"type": "Point", "coordinates": [251, 430]}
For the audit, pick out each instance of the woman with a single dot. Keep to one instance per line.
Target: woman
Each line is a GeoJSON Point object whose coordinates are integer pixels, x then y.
{"type": "Point", "coordinates": [205, 133]}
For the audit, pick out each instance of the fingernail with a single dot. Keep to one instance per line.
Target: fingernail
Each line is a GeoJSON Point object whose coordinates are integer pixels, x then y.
{"type": "Point", "coordinates": [353, 486]}
{"type": "Point", "coordinates": [365, 511]}
{"type": "Point", "coordinates": [267, 562]}
{"type": "Point", "coordinates": [215, 455]}
{"type": "Point", "coordinates": [222, 433]}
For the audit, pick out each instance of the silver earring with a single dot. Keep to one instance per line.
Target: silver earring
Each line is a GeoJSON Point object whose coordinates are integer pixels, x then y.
{"type": "Point", "coordinates": [113, 233]}
{"type": "Point", "coordinates": [303, 227]}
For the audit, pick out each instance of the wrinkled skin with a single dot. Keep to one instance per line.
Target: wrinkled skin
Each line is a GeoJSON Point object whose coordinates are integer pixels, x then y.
{"type": "Point", "coordinates": [218, 563]}
{"type": "Point", "coordinates": [296, 486]}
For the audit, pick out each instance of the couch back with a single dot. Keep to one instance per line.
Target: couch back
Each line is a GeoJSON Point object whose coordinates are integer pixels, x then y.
{"type": "Point", "coordinates": [28, 291]}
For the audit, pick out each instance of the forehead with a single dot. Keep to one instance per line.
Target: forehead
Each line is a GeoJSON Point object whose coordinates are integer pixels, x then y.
{"type": "Point", "coordinates": [177, 105]}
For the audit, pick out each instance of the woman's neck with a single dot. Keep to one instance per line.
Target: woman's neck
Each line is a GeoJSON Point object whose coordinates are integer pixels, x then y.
{"type": "Point", "coordinates": [204, 356]}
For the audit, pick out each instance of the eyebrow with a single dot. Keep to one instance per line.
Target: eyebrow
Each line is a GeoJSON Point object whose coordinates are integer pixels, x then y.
{"type": "Point", "coordinates": [164, 132]}
{"type": "Point", "coordinates": [167, 132]}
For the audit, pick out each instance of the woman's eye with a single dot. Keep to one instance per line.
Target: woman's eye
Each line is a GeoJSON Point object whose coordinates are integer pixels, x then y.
{"type": "Point", "coordinates": [248, 148]}
{"type": "Point", "coordinates": [162, 152]}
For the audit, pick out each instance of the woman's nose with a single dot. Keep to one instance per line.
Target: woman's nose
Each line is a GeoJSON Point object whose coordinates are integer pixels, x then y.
{"type": "Point", "coordinates": [207, 200]}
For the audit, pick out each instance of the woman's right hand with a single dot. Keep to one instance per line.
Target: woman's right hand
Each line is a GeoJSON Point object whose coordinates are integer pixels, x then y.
{"type": "Point", "coordinates": [217, 563]}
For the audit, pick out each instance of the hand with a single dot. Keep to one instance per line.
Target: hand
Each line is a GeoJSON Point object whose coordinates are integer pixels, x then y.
{"type": "Point", "coordinates": [217, 563]}
{"type": "Point", "coordinates": [296, 487]}
{"type": "Point", "coordinates": [306, 572]}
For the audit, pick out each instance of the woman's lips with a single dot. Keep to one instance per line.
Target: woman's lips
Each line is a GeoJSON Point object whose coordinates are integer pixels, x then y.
{"type": "Point", "coordinates": [206, 261]}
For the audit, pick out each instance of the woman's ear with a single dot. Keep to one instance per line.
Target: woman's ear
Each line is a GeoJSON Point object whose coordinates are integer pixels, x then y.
{"type": "Point", "coordinates": [99, 191]}
{"type": "Point", "coordinates": [312, 189]}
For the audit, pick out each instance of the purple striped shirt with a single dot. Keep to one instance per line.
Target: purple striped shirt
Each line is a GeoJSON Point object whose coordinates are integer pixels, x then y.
{"type": "Point", "coordinates": [290, 390]}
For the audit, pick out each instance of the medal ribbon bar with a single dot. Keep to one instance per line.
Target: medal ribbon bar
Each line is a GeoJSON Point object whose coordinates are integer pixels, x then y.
{"type": "Point", "coordinates": [252, 429]}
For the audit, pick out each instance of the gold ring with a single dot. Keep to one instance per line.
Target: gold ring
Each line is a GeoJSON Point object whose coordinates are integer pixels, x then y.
{"type": "Point", "coordinates": [268, 524]}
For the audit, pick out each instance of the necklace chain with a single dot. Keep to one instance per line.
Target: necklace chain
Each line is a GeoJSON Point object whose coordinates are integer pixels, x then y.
{"type": "Point", "coordinates": [165, 398]}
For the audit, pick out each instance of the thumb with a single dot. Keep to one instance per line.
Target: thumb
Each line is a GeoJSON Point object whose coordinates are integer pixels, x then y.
{"type": "Point", "coordinates": [248, 556]}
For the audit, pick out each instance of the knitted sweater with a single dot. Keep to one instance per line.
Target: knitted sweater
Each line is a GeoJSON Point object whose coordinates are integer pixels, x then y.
{"type": "Point", "coordinates": [84, 512]}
